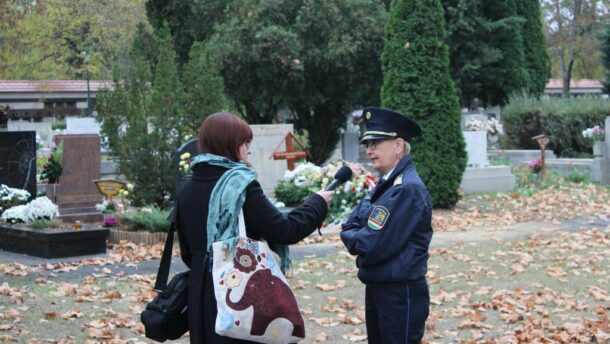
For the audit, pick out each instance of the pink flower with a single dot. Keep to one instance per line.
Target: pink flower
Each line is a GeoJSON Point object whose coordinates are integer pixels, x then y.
{"type": "Point", "coordinates": [111, 221]}
{"type": "Point", "coordinates": [534, 164]}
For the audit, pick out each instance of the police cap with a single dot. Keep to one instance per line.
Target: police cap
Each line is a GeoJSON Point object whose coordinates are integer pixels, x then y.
{"type": "Point", "coordinates": [384, 123]}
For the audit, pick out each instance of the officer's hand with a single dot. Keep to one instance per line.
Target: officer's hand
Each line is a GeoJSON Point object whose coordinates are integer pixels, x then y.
{"type": "Point", "coordinates": [327, 195]}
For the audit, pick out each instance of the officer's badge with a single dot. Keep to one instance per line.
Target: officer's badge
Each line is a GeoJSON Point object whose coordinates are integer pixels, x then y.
{"type": "Point", "coordinates": [398, 180]}
{"type": "Point", "coordinates": [368, 115]}
{"type": "Point", "coordinates": [378, 218]}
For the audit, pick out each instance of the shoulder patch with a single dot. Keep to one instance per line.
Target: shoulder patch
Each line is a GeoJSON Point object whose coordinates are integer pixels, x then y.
{"type": "Point", "coordinates": [378, 218]}
{"type": "Point", "coordinates": [398, 180]}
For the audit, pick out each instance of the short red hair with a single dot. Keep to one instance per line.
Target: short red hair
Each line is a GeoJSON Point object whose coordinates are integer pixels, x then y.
{"type": "Point", "coordinates": [222, 134]}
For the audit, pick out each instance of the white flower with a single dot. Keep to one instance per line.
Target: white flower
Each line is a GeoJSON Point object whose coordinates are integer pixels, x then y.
{"type": "Point", "coordinates": [15, 214]}
{"type": "Point", "coordinates": [288, 175]}
{"type": "Point", "coordinates": [101, 206]}
{"type": "Point", "coordinates": [474, 124]}
{"type": "Point", "coordinates": [11, 194]}
{"type": "Point", "coordinates": [348, 186]}
{"type": "Point", "coordinates": [299, 181]}
{"type": "Point", "coordinates": [41, 208]}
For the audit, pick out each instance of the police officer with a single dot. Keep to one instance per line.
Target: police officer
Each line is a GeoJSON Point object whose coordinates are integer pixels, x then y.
{"type": "Point", "coordinates": [390, 231]}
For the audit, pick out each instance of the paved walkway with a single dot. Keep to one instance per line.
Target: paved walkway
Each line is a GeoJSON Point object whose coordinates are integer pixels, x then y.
{"type": "Point", "coordinates": [440, 239]}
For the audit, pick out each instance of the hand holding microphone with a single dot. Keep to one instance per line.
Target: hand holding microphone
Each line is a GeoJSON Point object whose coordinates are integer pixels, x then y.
{"type": "Point", "coordinates": [343, 175]}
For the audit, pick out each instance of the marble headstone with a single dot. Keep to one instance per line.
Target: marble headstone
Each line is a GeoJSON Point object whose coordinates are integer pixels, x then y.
{"type": "Point", "coordinates": [267, 137]}
{"type": "Point", "coordinates": [82, 125]}
{"type": "Point", "coordinates": [476, 148]}
{"type": "Point", "coordinates": [18, 160]}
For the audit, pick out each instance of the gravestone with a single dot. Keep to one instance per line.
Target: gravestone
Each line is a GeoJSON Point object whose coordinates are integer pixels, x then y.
{"type": "Point", "coordinates": [76, 194]}
{"type": "Point", "coordinates": [18, 160]}
{"type": "Point", "coordinates": [191, 147]}
{"type": "Point", "coordinates": [82, 125]}
{"type": "Point", "coordinates": [266, 138]}
{"type": "Point", "coordinates": [476, 148]}
{"type": "Point", "coordinates": [349, 142]}
{"type": "Point", "coordinates": [604, 160]}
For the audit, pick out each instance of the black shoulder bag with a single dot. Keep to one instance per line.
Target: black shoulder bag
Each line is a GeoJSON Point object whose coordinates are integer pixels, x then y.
{"type": "Point", "coordinates": [166, 316]}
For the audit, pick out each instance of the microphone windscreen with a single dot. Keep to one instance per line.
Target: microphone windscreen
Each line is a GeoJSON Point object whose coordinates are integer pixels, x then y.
{"type": "Point", "coordinates": [344, 174]}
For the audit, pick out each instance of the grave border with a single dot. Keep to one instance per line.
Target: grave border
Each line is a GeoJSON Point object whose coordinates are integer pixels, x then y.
{"type": "Point", "coordinates": [50, 243]}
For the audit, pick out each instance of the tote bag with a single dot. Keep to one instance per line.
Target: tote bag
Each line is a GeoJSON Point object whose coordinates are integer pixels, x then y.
{"type": "Point", "coordinates": [254, 300]}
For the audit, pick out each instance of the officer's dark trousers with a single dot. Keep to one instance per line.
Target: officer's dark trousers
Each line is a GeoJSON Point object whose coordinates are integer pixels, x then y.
{"type": "Point", "coordinates": [397, 313]}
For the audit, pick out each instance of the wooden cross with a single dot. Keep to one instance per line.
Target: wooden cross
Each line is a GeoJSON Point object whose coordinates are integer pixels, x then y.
{"type": "Point", "coordinates": [290, 155]}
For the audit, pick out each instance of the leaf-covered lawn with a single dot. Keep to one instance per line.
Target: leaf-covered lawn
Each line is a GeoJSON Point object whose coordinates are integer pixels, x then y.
{"type": "Point", "coordinates": [549, 288]}
{"type": "Point", "coordinates": [562, 201]}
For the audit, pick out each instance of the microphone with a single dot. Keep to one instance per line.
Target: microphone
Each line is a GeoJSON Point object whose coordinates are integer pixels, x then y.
{"type": "Point", "coordinates": [343, 175]}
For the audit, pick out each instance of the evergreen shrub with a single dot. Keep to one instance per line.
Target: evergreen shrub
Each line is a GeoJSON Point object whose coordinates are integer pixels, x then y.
{"type": "Point", "coordinates": [417, 83]}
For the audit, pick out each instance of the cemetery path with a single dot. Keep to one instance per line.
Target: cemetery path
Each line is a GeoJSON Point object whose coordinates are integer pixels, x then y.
{"type": "Point", "coordinates": [330, 245]}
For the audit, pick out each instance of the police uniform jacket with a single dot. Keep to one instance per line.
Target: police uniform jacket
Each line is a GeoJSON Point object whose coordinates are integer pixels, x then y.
{"type": "Point", "coordinates": [391, 229]}
{"type": "Point", "coordinates": [262, 220]}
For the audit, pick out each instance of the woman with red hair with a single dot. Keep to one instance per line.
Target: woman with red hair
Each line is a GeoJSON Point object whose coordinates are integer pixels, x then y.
{"type": "Point", "coordinates": [224, 141]}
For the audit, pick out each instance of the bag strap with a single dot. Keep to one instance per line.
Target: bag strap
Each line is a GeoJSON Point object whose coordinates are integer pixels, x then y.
{"type": "Point", "coordinates": [166, 258]}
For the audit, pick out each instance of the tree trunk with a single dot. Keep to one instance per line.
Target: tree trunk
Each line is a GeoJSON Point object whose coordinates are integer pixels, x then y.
{"type": "Point", "coordinates": [567, 76]}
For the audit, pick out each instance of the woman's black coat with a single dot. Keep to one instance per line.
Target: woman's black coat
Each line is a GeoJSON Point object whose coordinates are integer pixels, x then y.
{"type": "Point", "coordinates": [262, 220]}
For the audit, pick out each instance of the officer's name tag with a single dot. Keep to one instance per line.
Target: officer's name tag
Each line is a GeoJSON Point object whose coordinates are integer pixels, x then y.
{"type": "Point", "coordinates": [378, 218]}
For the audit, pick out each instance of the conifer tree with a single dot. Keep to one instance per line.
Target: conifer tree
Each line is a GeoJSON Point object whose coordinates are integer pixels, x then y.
{"type": "Point", "coordinates": [537, 60]}
{"type": "Point", "coordinates": [509, 72]}
{"type": "Point", "coordinates": [144, 126]}
{"type": "Point", "coordinates": [416, 82]}
{"type": "Point", "coordinates": [605, 49]}
{"type": "Point", "coordinates": [203, 87]}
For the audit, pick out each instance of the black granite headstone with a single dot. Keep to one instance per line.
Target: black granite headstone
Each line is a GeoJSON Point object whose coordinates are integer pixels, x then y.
{"type": "Point", "coordinates": [18, 160]}
{"type": "Point", "coordinates": [191, 147]}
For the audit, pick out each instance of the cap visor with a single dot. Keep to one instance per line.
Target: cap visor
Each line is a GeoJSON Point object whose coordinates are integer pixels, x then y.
{"type": "Point", "coordinates": [375, 137]}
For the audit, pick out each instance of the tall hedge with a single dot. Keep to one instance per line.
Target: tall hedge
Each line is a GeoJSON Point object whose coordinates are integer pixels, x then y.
{"type": "Point", "coordinates": [562, 119]}
{"type": "Point", "coordinates": [416, 82]}
{"type": "Point", "coordinates": [537, 60]}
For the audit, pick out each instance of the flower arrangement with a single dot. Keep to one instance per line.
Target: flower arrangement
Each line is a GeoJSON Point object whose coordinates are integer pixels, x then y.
{"type": "Point", "coordinates": [111, 220]}
{"type": "Point", "coordinates": [15, 214]}
{"type": "Point", "coordinates": [185, 163]}
{"type": "Point", "coordinates": [494, 127]}
{"type": "Point", "coordinates": [106, 207]}
{"type": "Point", "coordinates": [10, 197]}
{"type": "Point", "coordinates": [535, 166]}
{"type": "Point", "coordinates": [308, 178]}
{"type": "Point", "coordinates": [125, 192]}
{"type": "Point", "coordinates": [52, 170]}
{"type": "Point", "coordinates": [474, 124]}
{"type": "Point", "coordinates": [304, 180]}
{"type": "Point", "coordinates": [596, 133]}
{"type": "Point", "coordinates": [40, 208]}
